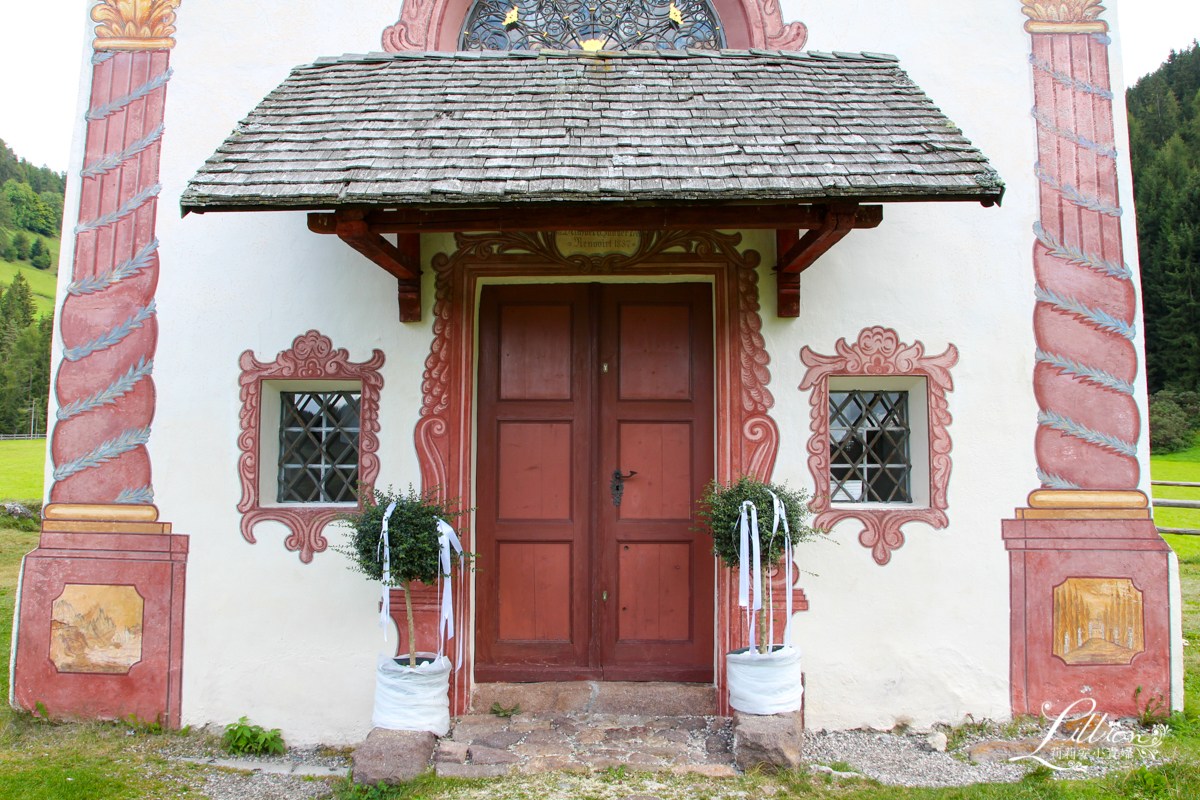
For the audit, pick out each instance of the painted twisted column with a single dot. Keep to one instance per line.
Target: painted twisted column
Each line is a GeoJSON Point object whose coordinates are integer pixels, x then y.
{"type": "Point", "coordinates": [1088, 418]}
{"type": "Point", "coordinates": [109, 332]}
{"type": "Point", "coordinates": [103, 552]}
{"type": "Point", "coordinates": [1087, 529]}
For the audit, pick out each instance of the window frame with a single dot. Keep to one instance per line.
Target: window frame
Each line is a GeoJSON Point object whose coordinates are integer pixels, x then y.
{"type": "Point", "coordinates": [879, 360]}
{"type": "Point", "coordinates": [918, 434]}
{"type": "Point", "coordinates": [272, 408]}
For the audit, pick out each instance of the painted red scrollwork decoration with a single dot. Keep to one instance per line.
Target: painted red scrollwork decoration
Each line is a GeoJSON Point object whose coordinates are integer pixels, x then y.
{"type": "Point", "coordinates": [437, 25]}
{"type": "Point", "coordinates": [879, 352]}
{"type": "Point", "coordinates": [311, 357]}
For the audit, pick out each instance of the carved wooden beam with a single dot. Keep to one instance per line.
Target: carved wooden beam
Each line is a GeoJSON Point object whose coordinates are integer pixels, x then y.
{"type": "Point", "coordinates": [798, 253]}
{"type": "Point", "coordinates": [403, 260]}
{"type": "Point", "coordinates": [591, 217]}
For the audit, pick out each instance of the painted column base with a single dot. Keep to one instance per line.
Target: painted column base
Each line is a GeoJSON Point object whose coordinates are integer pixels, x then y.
{"type": "Point", "coordinates": [1090, 580]}
{"type": "Point", "coordinates": [100, 618]}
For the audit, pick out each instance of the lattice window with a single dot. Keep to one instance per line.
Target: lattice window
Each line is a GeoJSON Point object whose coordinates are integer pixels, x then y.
{"type": "Point", "coordinates": [318, 446]}
{"type": "Point", "coordinates": [594, 25]}
{"type": "Point", "coordinates": [869, 447]}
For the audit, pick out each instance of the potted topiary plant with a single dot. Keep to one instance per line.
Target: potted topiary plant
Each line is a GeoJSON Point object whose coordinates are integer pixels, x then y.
{"type": "Point", "coordinates": [754, 527]}
{"type": "Point", "coordinates": [398, 540]}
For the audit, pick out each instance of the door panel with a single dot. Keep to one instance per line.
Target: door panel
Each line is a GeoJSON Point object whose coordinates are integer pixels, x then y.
{"type": "Point", "coordinates": [655, 587]}
{"type": "Point", "coordinates": [661, 454]}
{"type": "Point", "coordinates": [535, 591]}
{"type": "Point", "coordinates": [533, 462]}
{"type": "Point", "coordinates": [576, 381]}
{"type": "Point", "coordinates": [535, 352]}
{"type": "Point", "coordinates": [655, 352]}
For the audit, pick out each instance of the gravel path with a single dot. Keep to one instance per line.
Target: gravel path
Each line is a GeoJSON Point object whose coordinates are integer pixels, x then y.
{"type": "Point", "coordinates": [890, 758]}
{"type": "Point", "coordinates": [905, 760]}
{"type": "Point", "coordinates": [219, 783]}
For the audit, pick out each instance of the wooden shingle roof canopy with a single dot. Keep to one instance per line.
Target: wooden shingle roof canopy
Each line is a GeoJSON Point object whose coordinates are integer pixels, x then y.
{"type": "Point", "coordinates": [544, 140]}
{"type": "Point", "coordinates": [451, 129]}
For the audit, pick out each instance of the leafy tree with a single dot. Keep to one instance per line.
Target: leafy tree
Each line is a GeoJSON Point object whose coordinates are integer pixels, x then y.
{"type": "Point", "coordinates": [54, 202]}
{"type": "Point", "coordinates": [21, 245]}
{"type": "Point", "coordinates": [28, 210]}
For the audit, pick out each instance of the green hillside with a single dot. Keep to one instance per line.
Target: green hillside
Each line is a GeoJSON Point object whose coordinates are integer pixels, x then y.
{"type": "Point", "coordinates": [41, 281]}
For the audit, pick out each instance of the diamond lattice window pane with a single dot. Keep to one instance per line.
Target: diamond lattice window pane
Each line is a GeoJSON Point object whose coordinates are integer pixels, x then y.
{"type": "Point", "coordinates": [595, 25]}
{"type": "Point", "coordinates": [318, 447]}
{"type": "Point", "coordinates": [869, 447]}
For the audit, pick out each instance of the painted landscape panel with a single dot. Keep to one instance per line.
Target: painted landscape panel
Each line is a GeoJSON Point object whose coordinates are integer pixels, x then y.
{"type": "Point", "coordinates": [96, 628]}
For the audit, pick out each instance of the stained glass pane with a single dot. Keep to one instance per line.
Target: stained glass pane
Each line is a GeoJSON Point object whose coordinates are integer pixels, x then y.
{"type": "Point", "coordinates": [596, 25]}
{"type": "Point", "coordinates": [869, 447]}
{"type": "Point", "coordinates": [318, 447]}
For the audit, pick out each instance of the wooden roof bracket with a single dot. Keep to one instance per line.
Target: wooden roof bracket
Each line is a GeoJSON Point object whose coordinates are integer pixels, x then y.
{"type": "Point", "coordinates": [402, 260]}
{"type": "Point", "coordinates": [797, 253]}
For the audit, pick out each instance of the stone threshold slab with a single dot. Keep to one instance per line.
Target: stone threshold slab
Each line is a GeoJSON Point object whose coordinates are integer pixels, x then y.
{"type": "Point", "coordinates": [649, 698]}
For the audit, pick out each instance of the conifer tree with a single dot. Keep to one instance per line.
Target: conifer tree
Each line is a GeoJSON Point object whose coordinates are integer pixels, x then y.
{"type": "Point", "coordinates": [21, 245]}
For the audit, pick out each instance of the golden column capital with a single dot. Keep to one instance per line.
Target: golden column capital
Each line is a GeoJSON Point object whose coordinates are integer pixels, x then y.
{"type": "Point", "coordinates": [134, 24]}
{"type": "Point", "coordinates": [1063, 16]}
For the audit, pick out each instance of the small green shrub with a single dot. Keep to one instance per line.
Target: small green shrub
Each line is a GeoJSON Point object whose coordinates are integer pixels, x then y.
{"type": "Point", "coordinates": [1174, 417]}
{"type": "Point", "coordinates": [1154, 711]}
{"type": "Point", "coordinates": [501, 711]}
{"type": "Point", "coordinates": [412, 541]}
{"type": "Point", "coordinates": [719, 514]}
{"type": "Point", "coordinates": [1148, 782]}
{"type": "Point", "coordinates": [721, 507]}
{"type": "Point", "coordinates": [243, 738]}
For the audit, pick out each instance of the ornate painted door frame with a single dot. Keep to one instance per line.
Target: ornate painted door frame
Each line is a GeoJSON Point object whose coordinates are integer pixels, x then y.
{"type": "Point", "coordinates": [747, 439]}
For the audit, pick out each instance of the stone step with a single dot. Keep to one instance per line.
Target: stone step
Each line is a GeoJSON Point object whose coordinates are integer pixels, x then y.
{"type": "Point", "coordinates": [654, 698]}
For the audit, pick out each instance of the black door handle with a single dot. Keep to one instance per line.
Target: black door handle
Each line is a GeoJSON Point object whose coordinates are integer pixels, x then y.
{"type": "Point", "coordinates": [618, 485]}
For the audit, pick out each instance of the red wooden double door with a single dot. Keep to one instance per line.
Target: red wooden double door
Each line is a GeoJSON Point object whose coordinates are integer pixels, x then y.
{"type": "Point", "coordinates": [578, 578]}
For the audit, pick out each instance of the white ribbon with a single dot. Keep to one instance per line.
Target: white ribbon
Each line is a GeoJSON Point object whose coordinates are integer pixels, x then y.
{"type": "Point", "coordinates": [749, 548]}
{"type": "Point", "coordinates": [385, 607]}
{"type": "Point", "coordinates": [781, 514]}
{"type": "Point", "coordinates": [447, 538]}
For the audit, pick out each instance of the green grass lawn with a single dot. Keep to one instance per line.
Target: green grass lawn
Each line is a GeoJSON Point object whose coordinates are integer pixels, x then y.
{"type": "Point", "coordinates": [1183, 466]}
{"type": "Point", "coordinates": [42, 282]}
{"type": "Point", "coordinates": [21, 462]}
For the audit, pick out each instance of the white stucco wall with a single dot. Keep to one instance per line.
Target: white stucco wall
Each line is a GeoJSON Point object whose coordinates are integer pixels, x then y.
{"type": "Point", "coordinates": [925, 638]}
{"type": "Point", "coordinates": [921, 640]}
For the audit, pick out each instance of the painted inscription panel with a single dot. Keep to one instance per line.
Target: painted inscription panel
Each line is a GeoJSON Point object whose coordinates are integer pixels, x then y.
{"type": "Point", "coordinates": [96, 628]}
{"type": "Point", "coordinates": [572, 243]}
{"type": "Point", "coordinates": [1098, 621]}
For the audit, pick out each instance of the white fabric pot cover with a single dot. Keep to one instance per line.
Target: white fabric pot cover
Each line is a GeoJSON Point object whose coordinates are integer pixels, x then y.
{"type": "Point", "coordinates": [408, 699]}
{"type": "Point", "coordinates": [766, 683]}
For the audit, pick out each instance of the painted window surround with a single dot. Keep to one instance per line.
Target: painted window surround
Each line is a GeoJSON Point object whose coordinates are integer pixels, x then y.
{"type": "Point", "coordinates": [311, 363]}
{"type": "Point", "coordinates": [879, 360]}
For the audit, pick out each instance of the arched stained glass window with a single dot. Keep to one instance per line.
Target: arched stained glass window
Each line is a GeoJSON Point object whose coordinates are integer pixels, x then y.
{"type": "Point", "coordinates": [592, 25]}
